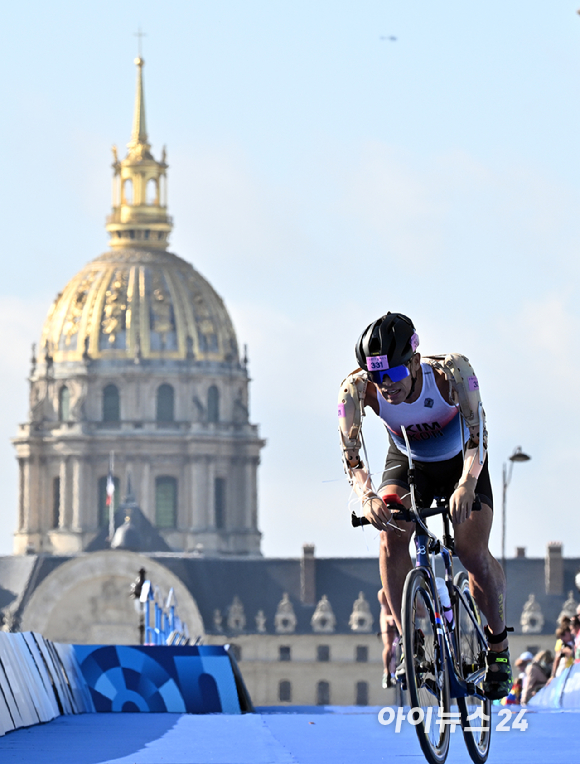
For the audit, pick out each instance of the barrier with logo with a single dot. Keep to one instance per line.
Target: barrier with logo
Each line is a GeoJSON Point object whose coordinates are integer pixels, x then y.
{"type": "Point", "coordinates": [40, 680]}
{"type": "Point", "coordinates": [198, 679]}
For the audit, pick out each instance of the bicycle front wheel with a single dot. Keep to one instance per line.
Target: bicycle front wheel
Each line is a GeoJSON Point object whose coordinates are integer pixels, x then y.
{"type": "Point", "coordinates": [425, 665]}
{"type": "Point", "coordinates": [475, 713]}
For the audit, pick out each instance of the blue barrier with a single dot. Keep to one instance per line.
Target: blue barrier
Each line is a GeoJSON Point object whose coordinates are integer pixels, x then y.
{"type": "Point", "coordinates": [40, 680]}
{"type": "Point", "coordinates": [562, 692]}
{"type": "Point", "coordinates": [168, 628]}
{"type": "Point", "coordinates": [179, 679]}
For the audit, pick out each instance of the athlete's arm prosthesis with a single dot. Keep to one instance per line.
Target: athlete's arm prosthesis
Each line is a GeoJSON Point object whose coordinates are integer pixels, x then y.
{"type": "Point", "coordinates": [351, 399]}
{"type": "Point", "coordinates": [464, 388]}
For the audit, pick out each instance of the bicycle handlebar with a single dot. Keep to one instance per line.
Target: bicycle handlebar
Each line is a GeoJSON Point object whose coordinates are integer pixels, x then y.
{"type": "Point", "coordinates": [406, 515]}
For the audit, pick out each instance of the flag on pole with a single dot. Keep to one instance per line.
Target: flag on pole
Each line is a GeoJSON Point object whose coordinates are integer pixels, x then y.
{"type": "Point", "coordinates": [110, 501]}
{"type": "Point", "coordinates": [110, 489]}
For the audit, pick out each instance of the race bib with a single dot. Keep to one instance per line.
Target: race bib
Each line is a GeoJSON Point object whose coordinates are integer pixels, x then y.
{"type": "Point", "coordinates": [377, 363]}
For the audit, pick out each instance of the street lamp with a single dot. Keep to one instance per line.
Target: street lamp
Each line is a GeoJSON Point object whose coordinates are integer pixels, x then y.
{"type": "Point", "coordinates": [517, 456]}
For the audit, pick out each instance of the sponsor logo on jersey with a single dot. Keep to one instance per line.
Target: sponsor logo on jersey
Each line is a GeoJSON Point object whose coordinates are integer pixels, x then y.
{"type": "Point", "coordinates": [424, 431]}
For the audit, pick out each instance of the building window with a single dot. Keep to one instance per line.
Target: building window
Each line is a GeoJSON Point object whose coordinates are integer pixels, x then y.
{"type": "Point", "coordinates": [103, 511]}
{"type": "Point", "coordinates": [285, 691]}
{"type": "Point", "coordinates": [362, 654]}
{"type": "Point", "coordinates": [55, 502]}
{"type": "Point", "coordinates": [362, 694]}
{"type": "Point", "coordinates": [165, 502]}
{"type": "Point", "coordinates": [323, 694]}
{"type": "Point", "coordinates": [63, 404]}
{"type": "Point", "coordinates": [152, 195]}
{"type": "Point", "coordinates": [165, 405]}
{"type": "Point", "coordinates": [236, 651]}
{"type": "Point", "coordinates": [284, 653]}
{"type": "Point", "coordinates": [323, 653]}
{"type": "Point", "coordinates": [111, 412]}
{"type": "Point", "coordinates": [213, 404]}
{"type": "Point", "coordinates": [128, 191]}
{"type": "Point", "coordinates": [219, 500]}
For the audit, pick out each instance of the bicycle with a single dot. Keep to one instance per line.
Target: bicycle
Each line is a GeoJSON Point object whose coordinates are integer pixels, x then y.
{"type": "Point", "coordinates": [443, 659]}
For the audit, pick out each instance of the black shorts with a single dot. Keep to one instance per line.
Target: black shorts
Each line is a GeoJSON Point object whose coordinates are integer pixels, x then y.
{"type": "Point", "coordinates": [433, 478]}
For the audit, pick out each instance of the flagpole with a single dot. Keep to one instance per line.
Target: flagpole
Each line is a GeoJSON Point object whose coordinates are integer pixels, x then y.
{"type": "Point", "coordinates": [112, 497]}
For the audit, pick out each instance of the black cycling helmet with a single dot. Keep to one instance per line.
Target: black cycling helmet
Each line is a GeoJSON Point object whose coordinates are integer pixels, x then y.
{"type": "Point", "coordinates": [392, 335]}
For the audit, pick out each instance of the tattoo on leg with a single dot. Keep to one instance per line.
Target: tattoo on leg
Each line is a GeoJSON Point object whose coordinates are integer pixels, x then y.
{"type": "Point", "coordinates": [500, 598]}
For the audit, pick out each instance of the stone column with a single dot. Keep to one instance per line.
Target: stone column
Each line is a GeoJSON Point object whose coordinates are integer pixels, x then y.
{"type": "Point", "coordinates": [33, 494]}
{"type": "Point", "coordinates": [65, 514]}
{"type": "Point", "coordinates": [183, 498]}
{"type": "Point", "coordinates": [145, 491]}
{"type": "Point", "coordinates": [201, 519]}
{"type": "Point", "coordinates": [76, 519]}
{"type": "Point", "coordinates": [22, 495]}
{"type": "Point", "coordinates": [252, 493]}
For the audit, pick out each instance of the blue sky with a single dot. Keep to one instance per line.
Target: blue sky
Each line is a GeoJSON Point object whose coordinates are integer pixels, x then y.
{"type": "Point", "coordinates": [319, 176]}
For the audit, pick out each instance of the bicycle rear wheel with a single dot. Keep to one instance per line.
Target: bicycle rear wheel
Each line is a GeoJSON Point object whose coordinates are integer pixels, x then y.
{"type": "Point", "coordinates": [471, 659]}
{"type": "Point", "coordinates": [425, 664]}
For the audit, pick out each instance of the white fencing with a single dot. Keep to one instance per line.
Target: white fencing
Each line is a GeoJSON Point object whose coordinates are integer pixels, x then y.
{"type": "Point", "coordinates": [39, 681]}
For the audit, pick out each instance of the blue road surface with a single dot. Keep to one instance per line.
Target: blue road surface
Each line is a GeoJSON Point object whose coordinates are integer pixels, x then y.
{"type": "Point", "coordinates": [294, 735]}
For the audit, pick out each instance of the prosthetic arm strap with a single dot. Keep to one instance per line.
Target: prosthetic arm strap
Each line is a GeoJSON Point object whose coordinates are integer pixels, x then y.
{"type": "Point", "coordinates": [351, 397]}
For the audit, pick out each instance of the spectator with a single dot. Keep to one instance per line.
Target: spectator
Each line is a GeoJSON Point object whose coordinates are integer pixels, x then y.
{"type": "Point", "coordinates": [537, 674]}
{"type": "Point", "coordinates": [523, 662]}
{"type": "Point", "coordinates": [575, 628]}
{"type": "Point", "coordinates": [515, 694]}
{"type": "Point", "coordinates": [564, 651]}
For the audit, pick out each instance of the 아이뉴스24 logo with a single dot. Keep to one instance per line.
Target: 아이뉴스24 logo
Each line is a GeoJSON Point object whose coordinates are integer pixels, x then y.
{"type": "Point", "coordinates": [478, 721]}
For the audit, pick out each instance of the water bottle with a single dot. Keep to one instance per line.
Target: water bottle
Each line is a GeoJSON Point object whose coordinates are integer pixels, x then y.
{"type": "Point", "coordinates": [443, 593]}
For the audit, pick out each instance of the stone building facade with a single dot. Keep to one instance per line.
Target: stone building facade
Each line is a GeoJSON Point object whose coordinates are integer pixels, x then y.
{"type": "Point", "coordinates": [304, 629]}
{"type": "Point", "coordinates": [138, 362]}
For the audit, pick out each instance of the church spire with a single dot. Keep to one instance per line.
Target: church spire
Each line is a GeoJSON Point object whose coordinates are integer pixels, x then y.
{"type": "Point", "coordinates": [139, 216]}
{"type": "Point", "coordinates": [138, 143]}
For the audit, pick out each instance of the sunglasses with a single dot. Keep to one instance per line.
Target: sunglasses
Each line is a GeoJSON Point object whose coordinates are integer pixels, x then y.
{"type": "Point", "coordinates": [378, 368]}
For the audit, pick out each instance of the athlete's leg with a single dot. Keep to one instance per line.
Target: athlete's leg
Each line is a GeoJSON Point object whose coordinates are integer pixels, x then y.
{"type": "Point", "coordinates": [487, 583]}
{"type": "Point", "coordinates": [486, 577]}
{"type": "Point", "coordinates": [394, 557]}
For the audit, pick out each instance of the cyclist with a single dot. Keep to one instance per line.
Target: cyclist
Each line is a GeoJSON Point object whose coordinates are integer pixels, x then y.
{"type": "Point", "coordinates": [437, 401]}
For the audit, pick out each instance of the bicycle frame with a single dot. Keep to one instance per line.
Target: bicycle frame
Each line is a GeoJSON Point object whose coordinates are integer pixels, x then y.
{"type": "Point", "coordinates": [426, 543]}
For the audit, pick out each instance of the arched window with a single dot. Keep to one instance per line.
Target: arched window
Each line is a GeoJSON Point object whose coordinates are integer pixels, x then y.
{"type": "Point", "coordinates": [285, 691]}
{"type": "Point", "coordinates": [219, 500]}
{"type": "Point", "coordinates": [362, 694]}
{"type": "Point", "coordinates": [111, 411]}
{"type": "Point", "coordinates": [55, 502]}
{"type": "Point", "coordinates": [213, 404]}
{"type": "Point", "coordinates": [103, 510]}
{"type": "Point", "coordinates": [63, 404]}
{"type": "Point", "coordinates": [152, 197]}
{"type": "Point", "coordinates": [128, 191]}
{"type": "Point", "coordinates": [165, 404]}
{"type": "Point", "coordinates": [165, 502]}
{"type": "Point", "coordinates": [323, 694]}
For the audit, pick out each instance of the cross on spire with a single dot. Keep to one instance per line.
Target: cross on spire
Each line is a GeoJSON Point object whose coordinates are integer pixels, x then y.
{"type": "Point", "coordinates": [139, 35]}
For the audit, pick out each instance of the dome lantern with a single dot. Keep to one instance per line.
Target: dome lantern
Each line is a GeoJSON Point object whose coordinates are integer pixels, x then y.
{"type": "Point", "coordinates": [139, 213]}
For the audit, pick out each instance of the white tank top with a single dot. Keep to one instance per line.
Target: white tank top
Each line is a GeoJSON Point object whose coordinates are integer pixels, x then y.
{"type": "Point", "coordinates": [434, 427]}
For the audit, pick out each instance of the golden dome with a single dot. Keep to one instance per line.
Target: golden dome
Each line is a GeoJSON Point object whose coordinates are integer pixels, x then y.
{"type": "Point", "coordinates": [139, 301]}
{"type": "Point", "coordinates": [139, 304]}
